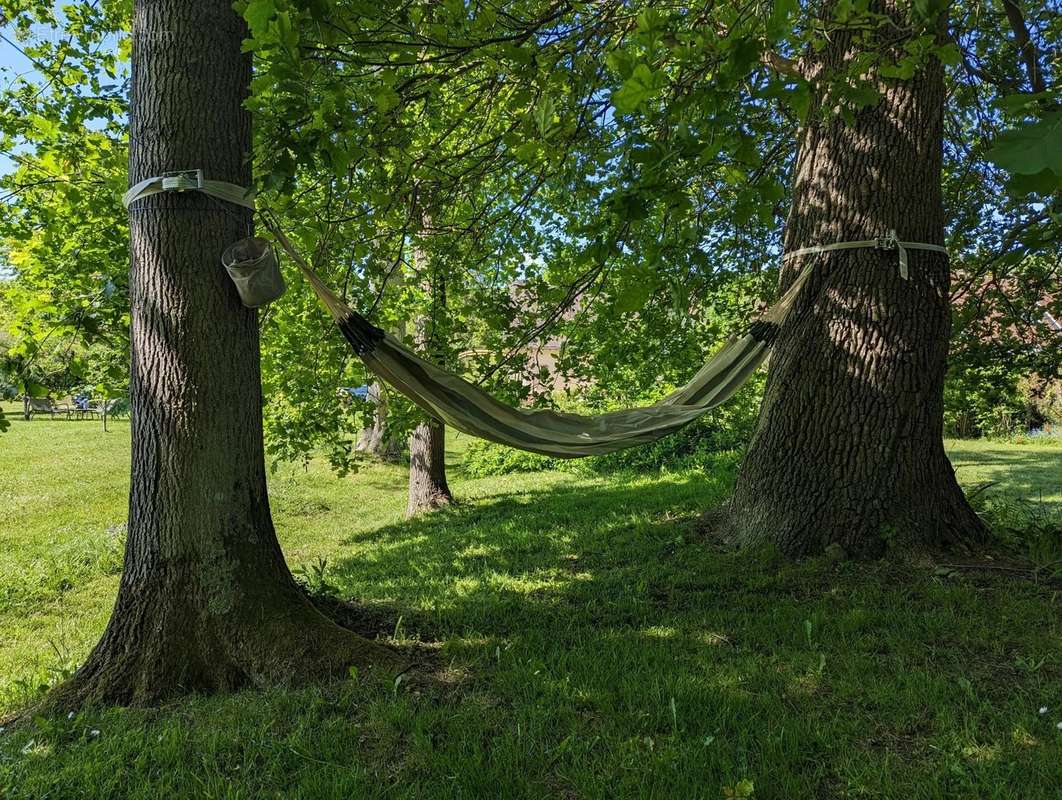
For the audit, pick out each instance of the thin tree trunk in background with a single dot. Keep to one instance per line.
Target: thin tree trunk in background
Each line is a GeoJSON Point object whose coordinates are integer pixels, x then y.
{"type": "Point", "coordinates": [206, 601]}
{"type": "Point", "coordinates": [428, 488]}
{"type": "Point", "coordinates": [373, 439]}
{"type": "Point", "coordinates": [849, 448]}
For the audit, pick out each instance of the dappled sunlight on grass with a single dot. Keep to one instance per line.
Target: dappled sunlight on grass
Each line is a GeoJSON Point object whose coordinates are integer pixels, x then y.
{"type": "Point", "coordinates": [1030, 471]}
{"type": "Point", "coordinates": [586, 638]}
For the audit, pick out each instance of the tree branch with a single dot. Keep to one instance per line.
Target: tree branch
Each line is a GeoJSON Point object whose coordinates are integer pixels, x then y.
{"type": "Point", "coordinates": [1025, 45]}
{"type": "Point", "coordinates": [781, 64]}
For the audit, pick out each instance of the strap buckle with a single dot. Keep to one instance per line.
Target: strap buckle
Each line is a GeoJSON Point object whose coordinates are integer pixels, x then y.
{"type": "Point", "coordinates": [182, 180]}
{"type": "Point", "coordinates": [887, 242]}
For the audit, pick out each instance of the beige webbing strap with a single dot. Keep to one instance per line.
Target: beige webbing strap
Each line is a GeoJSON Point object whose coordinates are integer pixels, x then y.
{"type": "Point", "coordinates": [889, 242]}
{"type": "Point", "coordinates": [190, 180]}
{"type": "Point", "coordinates": [336, 307]}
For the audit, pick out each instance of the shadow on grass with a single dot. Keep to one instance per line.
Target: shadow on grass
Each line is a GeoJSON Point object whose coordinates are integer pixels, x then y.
{"type": "Point", "coordinates": [597, 612]}
{"type": "Point", "coordinates": [614, 555]}
{"type": "Point", "coordinates": [1016, 472]}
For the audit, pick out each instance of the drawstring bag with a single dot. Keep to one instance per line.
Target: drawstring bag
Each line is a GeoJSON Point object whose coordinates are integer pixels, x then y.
{"type": "Point", "coordinates": [253, 267]}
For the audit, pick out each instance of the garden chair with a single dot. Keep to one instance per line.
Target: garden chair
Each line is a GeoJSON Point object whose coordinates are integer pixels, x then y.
{"type": "Point", "coordinates": [42, 405]}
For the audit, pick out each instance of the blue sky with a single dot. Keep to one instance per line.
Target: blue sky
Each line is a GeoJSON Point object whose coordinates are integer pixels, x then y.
{"type": "Point", "coordinates": [12, 65]}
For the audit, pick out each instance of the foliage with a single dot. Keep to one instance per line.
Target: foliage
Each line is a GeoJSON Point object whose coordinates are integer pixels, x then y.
{"type": "Point", "coordinates": [709, 444]}
{"type": "Point", "coordinates": [1002, 349]}
{"type": "Point", "coordinates": [688, 176]}
{"type": "Point", "coordinates": [1043, 398]}
{"type": "Point", "coordinates": [612, 174]}
{"type": "Point", "coordinates": [586, 637]}
{"type": "Point", "coordinates": [983, 401]}
{"type": "Point", "coordinates": [484, 459]}
{"type": "Point", "coordinates": [62, 226]}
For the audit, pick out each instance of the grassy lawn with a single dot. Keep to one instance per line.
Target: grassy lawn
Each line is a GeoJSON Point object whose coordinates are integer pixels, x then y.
{"type": "Point", "coordinates": [589, 642]}
{"type": "Point", "coordinates": [1032, 472]}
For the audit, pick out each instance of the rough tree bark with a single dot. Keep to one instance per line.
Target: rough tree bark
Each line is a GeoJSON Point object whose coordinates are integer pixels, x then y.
{"type": "Point", "coordinates": [428, 489]}
{"type": "Point", "coordinates": [849, 450]}
{"type": "Point", "coordinates": [206, 601]}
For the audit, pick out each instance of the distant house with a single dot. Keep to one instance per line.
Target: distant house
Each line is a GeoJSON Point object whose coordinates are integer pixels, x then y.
{"type": "Point", "coordinates": [996, 304]}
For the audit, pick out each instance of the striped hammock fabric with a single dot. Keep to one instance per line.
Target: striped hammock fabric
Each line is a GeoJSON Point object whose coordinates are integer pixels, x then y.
{"type": "Point", "coordinates": [460, 404]}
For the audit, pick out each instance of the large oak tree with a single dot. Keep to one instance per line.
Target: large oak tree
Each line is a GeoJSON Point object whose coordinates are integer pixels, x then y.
{"type": "Point", "coordinates": [849, 448]}
{"type": "Point", "coordinates": [206, 600]}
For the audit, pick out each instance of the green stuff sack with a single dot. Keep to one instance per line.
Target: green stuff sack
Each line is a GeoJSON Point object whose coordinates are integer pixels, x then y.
{"type": "Point", "coordinates": [252, 265]}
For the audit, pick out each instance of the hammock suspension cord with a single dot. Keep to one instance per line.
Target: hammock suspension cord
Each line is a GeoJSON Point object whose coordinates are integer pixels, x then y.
{"type": "Point", "coordinates": [466, 407]}
{"type": "Point", "coordinates": [887, 242]}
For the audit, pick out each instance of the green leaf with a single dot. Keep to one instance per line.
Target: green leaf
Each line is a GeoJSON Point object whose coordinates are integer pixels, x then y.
{"type": "Point", "coordinates": [1031, 149]}
{"type": "Point", "coordinates": [642, 85]}
{"type": "Point", "coordinates": [863, 96]}
{"type": "Point", "coordinates": [258, 14]}
{"type": "Point", "coordinates": [1043, 182]}
{"type": "Point", "coordinates": [780, 15]}
{"type": "Point", "coordinates": [649, 21]}
{"type": "Point", "coordinates": [949, 54]}
{"type": "Point", "coordinates": [528, 151]}
{"type": "Point", "coordinates": [386, 99]}
{"type": "Point", "coordinates": [34, 389]}
{"type": "Point", "coordinates": [320, 9]}
{"type": "Point", "coordinates": [620, 62]}
{"type": "Point", "coordinates": [543, 116]}
{"type": "Point", "coordinates": [633, 296]}
{"type": "Point", "coordinates": [1021, 102]}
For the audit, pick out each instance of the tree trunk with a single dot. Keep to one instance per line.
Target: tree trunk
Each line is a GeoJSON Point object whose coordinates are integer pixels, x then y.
{"type": "Point", "coordinates": [849, 450]}
{"type": "Point", "coordinates": [206, 601]}
{"type": "Point", "coordinates": [428, 489]}
{"type": "Point", "coordinates": [374, 440]}
{"type": "Point", "coordinates": [370, 438]}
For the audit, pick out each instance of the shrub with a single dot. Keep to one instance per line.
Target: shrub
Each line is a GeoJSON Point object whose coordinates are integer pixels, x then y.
{"type": "Point", "coordinates": [714, 439]}
{"type": "Point", "coordinates": [1043, 399]}
{"type": "Point", "coordinates": [483, 458]}
{"type": "Point", "coordinates": [982, 400]}
{"type": "Point", "coordinates": [1031, 529]}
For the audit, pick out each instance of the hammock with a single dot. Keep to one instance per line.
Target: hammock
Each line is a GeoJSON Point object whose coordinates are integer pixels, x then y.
{"type": "Point", "coordinates": [466, 407]}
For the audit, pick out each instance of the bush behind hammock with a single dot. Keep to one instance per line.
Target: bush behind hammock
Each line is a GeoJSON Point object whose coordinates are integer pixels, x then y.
{"type": "Point", "coordinates": [715, 441]}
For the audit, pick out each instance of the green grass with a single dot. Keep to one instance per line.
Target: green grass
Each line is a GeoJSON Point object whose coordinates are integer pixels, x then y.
{"type": "Point", "coordinates": [590, 642]}
{"type": "Point", "coordinates": [1030, 471]}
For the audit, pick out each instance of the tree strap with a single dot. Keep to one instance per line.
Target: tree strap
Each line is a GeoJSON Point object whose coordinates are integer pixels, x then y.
{"type": "Point", "coordinates": [189, 180]}
{"type": "Point", "coordinates": [889, 242]}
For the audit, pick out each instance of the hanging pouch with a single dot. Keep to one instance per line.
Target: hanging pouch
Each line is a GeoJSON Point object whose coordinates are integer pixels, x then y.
{"type": "Point", "coordinates": [252, 265]}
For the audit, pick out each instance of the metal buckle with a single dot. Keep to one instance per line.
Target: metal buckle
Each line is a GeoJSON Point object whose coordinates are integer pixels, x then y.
{"type": "Point", "coordinates": [887, 242]}
{"type": "Point", "coordinates": [182, 180]}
